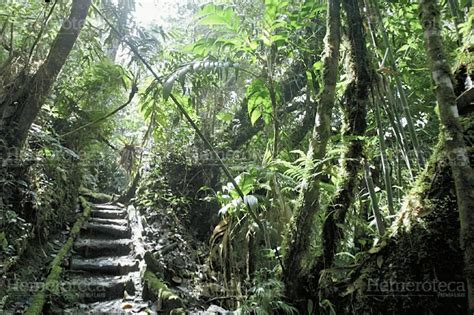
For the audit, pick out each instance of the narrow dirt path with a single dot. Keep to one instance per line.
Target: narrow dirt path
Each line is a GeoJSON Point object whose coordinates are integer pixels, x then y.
{"type": "Point", "coordinates": [104, 270]}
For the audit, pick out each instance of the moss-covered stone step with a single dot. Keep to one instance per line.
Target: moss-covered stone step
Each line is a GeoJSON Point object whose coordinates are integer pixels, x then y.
{"type": "Point", "coordinates": [115, 265]}
{"type": "Point", "coordinates": [108, 207]}
{"type": "Point", "coordinates": [109, 231]}
{"type": "Point", "coordinates": [109, 214]}
{"type": "Point", "coordinates": [121, 222]}
{"type": "Point", "coordinates": [91, 248]}
{"type": "Point", "coordinates": [99, 288]}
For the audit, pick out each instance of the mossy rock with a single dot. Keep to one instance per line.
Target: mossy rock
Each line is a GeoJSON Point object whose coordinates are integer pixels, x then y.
{"type": "Point", "coordinates": [155, 289]}
{"type": "Point", "coordinates": [94, 197]}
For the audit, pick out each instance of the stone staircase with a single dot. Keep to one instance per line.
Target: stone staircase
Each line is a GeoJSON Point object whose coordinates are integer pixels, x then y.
{"type": "Point", "coordinates": [104, 270]}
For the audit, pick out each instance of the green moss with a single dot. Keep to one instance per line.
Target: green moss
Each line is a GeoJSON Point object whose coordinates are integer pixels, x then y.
{"type": "Point", "coordinates": [51, 283]}
{"type": "Point", "coordinates": [416, 203]}
{"type": "Point", "coordinates": [158, 287]}
{"type": "Point", "coordinates": [94, 196]}
{"type": "Point", "coordinates": [156, 290]}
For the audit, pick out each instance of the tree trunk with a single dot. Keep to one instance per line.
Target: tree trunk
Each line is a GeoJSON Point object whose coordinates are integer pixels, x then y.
{"type": "Point", "coordinates": [298, 240]}
{"type": "Point", "coordinates": [462, 172]}
{"type": "Point", "coordinates": [422, 250]}
{"type": "Point", "coordinates": [354, 108]}
{"type": "Point", "coordinates": [131, 190]}
{"type": "Point", "coordinates": [14, 126]}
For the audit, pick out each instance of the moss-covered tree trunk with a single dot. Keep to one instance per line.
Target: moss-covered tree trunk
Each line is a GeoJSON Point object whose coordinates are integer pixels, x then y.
{"type": "Point", "coordinates": [21, 108]}
{"type": "Point", "coordinates": [354, 108]}
{"type": "Point", "coordinates": [298, 240]}
{"type": "Point", "coordinates": [462, 172]}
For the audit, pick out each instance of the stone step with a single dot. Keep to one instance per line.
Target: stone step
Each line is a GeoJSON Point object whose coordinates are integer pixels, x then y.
{"type": "Point", "coordinates": [108, 231]}
{"type": "Point", "coordinates": [116, 265]}
{"type": "Point", "coordinates": [109, 214]}
{"type": "Point", "coordinates": [121, 222]}
{"type": "Point", "coordinates": [107, 207]}
{"type": "Point", "coordinates": [90, 248]}
{"type": "Point", "coordinates": [100, 288]}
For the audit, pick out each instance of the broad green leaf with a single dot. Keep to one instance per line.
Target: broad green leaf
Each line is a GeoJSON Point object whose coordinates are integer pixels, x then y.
{"type": "Point", "coordinates": [224, 116]}
{"type": "Point", "coordinates": [256, 114]}
{"type": "Point", "coordinates": [168, 86]}
{"type": "Point", "coordinates": [318, 65]}
{"type": "Point", "coordinates": [259, 104]}
{"type": "Point", "coordinates": [214, 20]}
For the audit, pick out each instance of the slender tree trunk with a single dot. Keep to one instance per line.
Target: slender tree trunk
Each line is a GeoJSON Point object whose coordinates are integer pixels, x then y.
{"type": "Point", "coordinates": [463, 173]}
{"type": "Point", "coordinates": [26, 105]}
{"type": "Point", "coordinates": [354, 108]}
{"type": "Point", "coordinates": [373, 198]}
{"type": "Point", "coordinates": [276, 123]}
{"type": "Point", "coordinates": [383, 155]}
{"type": "Point", "coordinates": [131, 190]}
{"type": "Point", "coordinates": [299, 237]}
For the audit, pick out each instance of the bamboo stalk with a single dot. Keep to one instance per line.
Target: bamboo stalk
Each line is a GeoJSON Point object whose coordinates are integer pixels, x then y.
{"type": "Point", "coordinates": [373, 199]}
{"type": "Point", "coordinates": [399, 86]}
{"type": "Point", "coordinates": [385, 164]}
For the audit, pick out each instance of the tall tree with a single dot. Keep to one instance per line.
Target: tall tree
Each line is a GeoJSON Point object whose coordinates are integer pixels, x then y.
{"type": "Point", "coordinates": [463, 173]}
{"type": "Point", "coordinates": [354, 108]}
{"type": "Point", "coordinates": [300, 231]}
{"type": "Point", "coordinates": [25, 100]}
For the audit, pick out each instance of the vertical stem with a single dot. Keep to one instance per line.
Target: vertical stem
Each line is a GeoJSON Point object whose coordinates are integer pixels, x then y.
{"type": "Point", "coordinates": [454, 6]}
{"type": "Point", "coordinates": [395, 120]}
{"type": "Point", "coordinates": [373, 199]}
{"type": "Point", "coordinates": [399, 178]}
{"type": "Point", "coordinates": [11, 39]}
{"type": "Point", "coordinates": [354, 109]}
{"type": "Point", "coordinates": [385, 164]}
{"type": "Point", "coordinates": [397, 129]}
{"type": "Point", "coordinates": [400, 89]}
{"type": "Point", "coordinates": [276, 127]}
